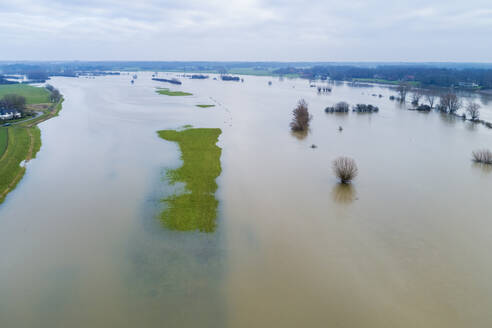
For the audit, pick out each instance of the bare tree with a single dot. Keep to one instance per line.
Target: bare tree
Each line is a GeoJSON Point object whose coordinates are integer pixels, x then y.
{"type": "Point", "coordinates": [345, 169]}
{"type": "Point", "coordinates": [402, 90]}
{"type": "Point", "coordinates": [450, 103]}
{"type": "Point", "coordinates": [431, 96]}
{"type": "Point", "coordinates": [416, 95]}
{"type": "Point", "coordinates": [301, 119]}
{"type": "Point", "coordinates": [483, 156]}
{"type": "Point", "coordinates": [473, 109]}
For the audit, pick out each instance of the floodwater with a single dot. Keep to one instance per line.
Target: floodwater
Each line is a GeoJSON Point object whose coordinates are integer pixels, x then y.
{"type": "Point", "coordinates": [406, 245]}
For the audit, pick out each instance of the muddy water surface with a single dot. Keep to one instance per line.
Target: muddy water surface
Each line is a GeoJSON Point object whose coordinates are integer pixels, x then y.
{"type": "Point", "coordinates": [405, 246]}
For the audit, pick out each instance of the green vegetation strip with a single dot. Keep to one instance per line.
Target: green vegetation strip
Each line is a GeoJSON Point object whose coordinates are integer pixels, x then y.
{"type": "Point", "coordinates": [4, 138]}
{"type": "Point", "coordinates": [205, 106]}
{"type": "Point", "coordinates": [34, 95]}
{"type": "Point", "coordinates": [196, 207]}
{"type": "Point", "coordinates": [167, 92]}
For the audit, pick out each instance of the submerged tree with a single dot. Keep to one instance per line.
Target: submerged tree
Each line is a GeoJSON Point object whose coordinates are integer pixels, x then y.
{"type": "Point", "coordinates": [483, 156]}
{"type": "Point", "coordinates": [473, 109]}
{"type": "Point", "coordinates": [403, 90]}
{"type": "Point", "coordinates": [450, 103]}
{"type": "Point", "coordinates": [301, 119]}
{"type": "Point", "coordinates": [345, 169]}
{"type": "Point", "coordinates": [416, 95]}
{"type": "Point", "coordinates": [13, 101]}
{"type": "Point", "coordinates": [340, 107]}
{"type": "Point", "coordinates": [431, 96]}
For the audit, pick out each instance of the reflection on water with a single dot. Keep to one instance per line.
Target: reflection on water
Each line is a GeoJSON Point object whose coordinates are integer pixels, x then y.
{"type": "Point", "coordinates": [449, 119]}
{"type": "Point", "coordinates": [343, 193]}
{"type": "Point", "coordinates": [300, 135]}
{"type": "Point", "coordinates": [485, 168]}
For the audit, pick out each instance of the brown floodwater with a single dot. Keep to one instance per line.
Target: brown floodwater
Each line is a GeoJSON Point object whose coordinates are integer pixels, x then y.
{"type": "Point", "coordinates": [406, 245]}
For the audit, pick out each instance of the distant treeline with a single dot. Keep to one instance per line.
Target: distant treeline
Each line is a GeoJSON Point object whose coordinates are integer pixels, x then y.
{"type": "Point", "coordinates": [424, 75]}
{"type": "Point", "coordinates": [462, 75]}
{"type": "Point", "coordinates": [40, 73]}
{"type": "Point", "coordinates": [3, 80]}
{"type": "Point", "coordinates": [173, 81]}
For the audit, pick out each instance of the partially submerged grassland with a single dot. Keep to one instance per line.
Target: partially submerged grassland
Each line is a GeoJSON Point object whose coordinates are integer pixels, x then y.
{"type": "Point", "coordinates": [196, 207]}
{"type": "Point", "coordinates": [21, 147]}
{"type": "Point", "coordinates": [167, 92]}
{"type": "Point", "coordinates": [22, 140]}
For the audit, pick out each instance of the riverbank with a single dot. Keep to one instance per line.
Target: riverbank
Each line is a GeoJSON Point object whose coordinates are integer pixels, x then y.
{"type": "Point", "coordinates": [20, 142]}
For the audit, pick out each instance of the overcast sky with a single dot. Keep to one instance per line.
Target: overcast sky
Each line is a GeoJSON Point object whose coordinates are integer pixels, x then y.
{"type": "Point", "coordinates": [250, 30]}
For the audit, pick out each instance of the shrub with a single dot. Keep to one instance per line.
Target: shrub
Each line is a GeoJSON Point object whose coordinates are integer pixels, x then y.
{"type": "Point", "coordinates": [345, 169]}
{"type": "Point", "coordinates": [301, 119]}
{"type": "Point", "coordinates": [482, 156]}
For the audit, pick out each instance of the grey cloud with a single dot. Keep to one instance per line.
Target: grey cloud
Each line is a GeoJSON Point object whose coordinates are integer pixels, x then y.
{"type": "Point", "coordinates": [246, 30]}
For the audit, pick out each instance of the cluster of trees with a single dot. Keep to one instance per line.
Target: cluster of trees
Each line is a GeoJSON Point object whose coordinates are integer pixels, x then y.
{"type": "Point", "coordinates": [343, 107]}
{"type": "Point", "coordinates": [363, 108]}
{"type": "Point", "coordinates": [13, 102]}
{"type": "Point", "coordinates": [55, 94]}
{"type": "Point", "coordinates": [229, 78]}
{"type": "Point", "coordinates": [340, 107]}
{"type": "Point", "coordinates": [173, 81]}
{"type": "Point", "coordinates": [449, 102]}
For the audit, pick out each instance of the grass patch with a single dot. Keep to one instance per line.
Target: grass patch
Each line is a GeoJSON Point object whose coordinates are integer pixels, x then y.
{"type": "Point", "coordinates": [34, 95]}
{"type": "Point", "coordinates": [167, 92]}
{"type": "Point", "coordinates": [196, 207]}
{"type": "Point", "coordinates": [382, 81]}
{"type": "Point", "coordinates": [205, 106]}
{"type": "Point", "coordinates": [4, 137]}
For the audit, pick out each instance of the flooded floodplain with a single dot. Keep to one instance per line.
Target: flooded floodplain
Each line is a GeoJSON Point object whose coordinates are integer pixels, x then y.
{"type": "Point", "coordinates": [406, 245]}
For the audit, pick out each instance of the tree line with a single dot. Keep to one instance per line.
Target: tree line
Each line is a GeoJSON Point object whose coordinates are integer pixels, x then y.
{"type": "Point", "coordinates": [423, 75]}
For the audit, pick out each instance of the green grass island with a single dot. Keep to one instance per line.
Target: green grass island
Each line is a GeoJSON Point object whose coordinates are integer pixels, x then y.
{"type": "Point", "coordinates": [196, 207]}
{"type": "Point", "coordinates": [167, 92]}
